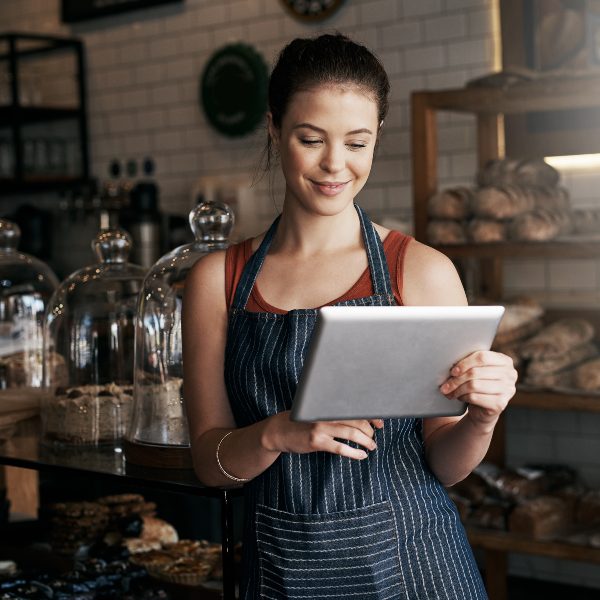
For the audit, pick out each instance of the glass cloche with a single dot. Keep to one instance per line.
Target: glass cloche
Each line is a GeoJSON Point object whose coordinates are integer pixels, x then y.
{"type": "Point", "coordinates": [158, 433]}
{"type": "Point", "coordinates": [90, 323]}
{"type": "Point", "coordinates": [26, 285]}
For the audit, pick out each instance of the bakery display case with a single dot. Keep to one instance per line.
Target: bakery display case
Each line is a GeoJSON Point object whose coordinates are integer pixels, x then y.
{"type": "Point", "coordinates": [158, 430]}
{"type": "Point", "coordinates": [90, 325]}
{"type": "Point", "coordinates": [26, 285]}
{"type": "Point", "coordinates": [485, 250]}
{"type": "Point", "coordinates": [103, 464]}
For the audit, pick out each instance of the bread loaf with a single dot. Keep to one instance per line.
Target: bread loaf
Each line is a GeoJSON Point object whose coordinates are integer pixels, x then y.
{"type": "Point", "coordinates": [557, 380]}
{"type": "Point", "coordinates": [452, 203]}
{"type": "Point", "coordinates": [540, 517]}
{"type": "Point", "coordinates": [445, 232]}
{"type": "Point", "coordinates": [501, 203]}
{"type": "Point", "coordinates": [539, 225]}
{"type": "Point", "coordinates": [587, 376]}
{"type": "Point", "coordinates": [490, 515]}
{"type": "Point", "coordinates": [483, 231]}
{"type": "Point", "coordinates": [571, 357]}
{"type": "Point", "coordinates": [527, 172]}
{"type": "Point", "coordinates": [558, 338]}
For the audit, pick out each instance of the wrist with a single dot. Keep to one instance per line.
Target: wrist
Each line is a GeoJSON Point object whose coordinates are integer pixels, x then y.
{"type": "Point", "coordinates": [268, 435]}
{"type": "Point", "coordinates": [482, 424]}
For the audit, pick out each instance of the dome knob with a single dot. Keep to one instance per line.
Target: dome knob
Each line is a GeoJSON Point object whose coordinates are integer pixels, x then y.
{"type": "Point", "coordinates": [211, 221]}
{"type": "Point", "coordinates": [112, 246]}
{"type": "Point", "coordinates": [10, 234]}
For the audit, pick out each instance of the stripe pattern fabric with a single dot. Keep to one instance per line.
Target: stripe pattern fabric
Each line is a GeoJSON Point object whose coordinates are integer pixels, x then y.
{"type": "Point", "coordinates": [319, 525]}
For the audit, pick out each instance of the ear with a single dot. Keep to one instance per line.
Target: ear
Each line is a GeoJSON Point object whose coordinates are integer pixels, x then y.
{"type": "Point", "coordinates": [273, 131]}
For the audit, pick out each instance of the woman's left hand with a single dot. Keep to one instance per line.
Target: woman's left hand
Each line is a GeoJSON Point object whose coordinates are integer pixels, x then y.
{"type": "Point", "coordinates": [486, 381]}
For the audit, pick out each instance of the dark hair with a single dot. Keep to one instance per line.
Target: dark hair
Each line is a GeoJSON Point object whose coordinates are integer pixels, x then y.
{"type": "Point", "coordinates": [327, 59]}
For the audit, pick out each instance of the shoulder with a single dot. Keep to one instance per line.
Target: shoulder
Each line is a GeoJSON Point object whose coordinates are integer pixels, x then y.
{"type": "Point", "coordinates": [430, 277]}
{"type": "Point", "coordinates": [205, 282]}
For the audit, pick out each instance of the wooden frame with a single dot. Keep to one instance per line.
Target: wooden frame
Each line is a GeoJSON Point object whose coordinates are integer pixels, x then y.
{"type": "Point", "coordinates": [568, 131]}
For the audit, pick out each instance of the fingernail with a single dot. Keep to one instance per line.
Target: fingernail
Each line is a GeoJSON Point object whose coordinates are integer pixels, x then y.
{"type": "Point", "coordinates": [444, 388]}
{"type": "Point", "coordinates": [363, 454]}
{"type": "Point", "coordinates": [455, 370]}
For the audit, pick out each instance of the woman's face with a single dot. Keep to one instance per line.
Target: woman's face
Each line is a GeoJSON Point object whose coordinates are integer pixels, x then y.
{"type": "Point", "coordinates": [326, 143]}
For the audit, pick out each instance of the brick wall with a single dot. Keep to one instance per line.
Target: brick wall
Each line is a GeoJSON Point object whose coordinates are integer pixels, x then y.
{"type": "Point", "coordinates": [144, 69]}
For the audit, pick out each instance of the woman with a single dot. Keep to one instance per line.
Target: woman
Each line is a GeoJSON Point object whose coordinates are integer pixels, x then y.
{"type": "Point", "coordinates": [334, 509]}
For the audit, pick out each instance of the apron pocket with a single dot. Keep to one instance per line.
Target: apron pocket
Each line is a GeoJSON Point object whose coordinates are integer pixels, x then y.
{"type": "Point", "coordinates": [350, 554]}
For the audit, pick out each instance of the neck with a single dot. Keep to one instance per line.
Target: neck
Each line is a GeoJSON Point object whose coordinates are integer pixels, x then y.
{"type": "Point", "coordinates": [306, 233]}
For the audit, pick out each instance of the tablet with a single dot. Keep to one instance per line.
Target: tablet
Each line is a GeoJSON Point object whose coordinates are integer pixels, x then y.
{"type": "Point", "coordinates": [366, 362]}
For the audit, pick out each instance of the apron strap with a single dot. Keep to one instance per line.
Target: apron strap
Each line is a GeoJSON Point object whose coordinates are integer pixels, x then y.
{"type": "Point", "coordinates": [252, 268]}
{"type": "Point", "coordinates": [380, 274]}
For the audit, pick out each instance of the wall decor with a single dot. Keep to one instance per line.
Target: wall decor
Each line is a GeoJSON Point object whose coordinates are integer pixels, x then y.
{"type": "Point", "coordinates": [311, 10]}
{"type": "Point", "coordinates": [552, 39]}
{"type": "Point", "coordinates": [233, 89]}
{"type": "Point", "coordinates": [73, 11]}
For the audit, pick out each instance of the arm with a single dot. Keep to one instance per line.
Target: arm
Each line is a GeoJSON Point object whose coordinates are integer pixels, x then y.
{"type": "Point", "coordinates": [454, 446]}
{"type": "Point", "coordinates": [247, 451]}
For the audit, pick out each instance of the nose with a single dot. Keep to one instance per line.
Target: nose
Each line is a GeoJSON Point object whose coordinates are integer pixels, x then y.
{"type": "Point", "coordinates": [333, 158]}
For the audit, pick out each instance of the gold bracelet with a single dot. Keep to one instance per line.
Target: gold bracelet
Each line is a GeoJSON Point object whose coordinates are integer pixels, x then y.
{"type": "Point", "coordinates": [221, 466]}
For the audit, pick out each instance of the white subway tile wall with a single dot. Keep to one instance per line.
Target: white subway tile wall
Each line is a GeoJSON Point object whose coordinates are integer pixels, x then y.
{"type": "Point", "coordinates": [144, 69]}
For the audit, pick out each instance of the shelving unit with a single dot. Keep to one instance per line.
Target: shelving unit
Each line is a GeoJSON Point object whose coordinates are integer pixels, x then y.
{"type": "Point", "coordinates": [15, 116]}
{"type": "Point", "coordinates": [489, 105]}
{"type": "Point", "coordinates": [106, 463]}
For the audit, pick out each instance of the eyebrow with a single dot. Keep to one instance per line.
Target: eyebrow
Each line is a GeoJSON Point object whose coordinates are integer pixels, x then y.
{"type": "Point", "coordinates": [319, 130]}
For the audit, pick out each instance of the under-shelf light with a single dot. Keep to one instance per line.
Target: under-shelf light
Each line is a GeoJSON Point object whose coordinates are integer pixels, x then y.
{"type": "Point", "coordinates": [575, 162]}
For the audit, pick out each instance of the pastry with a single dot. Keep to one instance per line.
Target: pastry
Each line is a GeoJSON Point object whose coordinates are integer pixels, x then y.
{"type": "Point", "coordinates": [501, 203]}
{"type": "Point", "coordinates": [88, 414]}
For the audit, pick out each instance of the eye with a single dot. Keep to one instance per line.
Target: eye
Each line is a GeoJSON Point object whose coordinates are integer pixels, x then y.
{"type": "Point", "coordinates": [309, 142]}
{"type": "Point", "coordinates": [356, 145]}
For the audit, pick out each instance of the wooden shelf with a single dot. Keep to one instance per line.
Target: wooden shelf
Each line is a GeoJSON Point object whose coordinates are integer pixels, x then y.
{"type": "Point", "coordinates": [545, 400]}
{"type": "Point", "coordinates": [542, 94]}
{"type": "Point", "coordinates": [554, 249]}
{"type": "Point", "coordinates": [511, 542]}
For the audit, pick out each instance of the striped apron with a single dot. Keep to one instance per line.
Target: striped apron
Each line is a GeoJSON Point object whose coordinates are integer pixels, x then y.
{"type": "Point", "coordinates": [320, 525]}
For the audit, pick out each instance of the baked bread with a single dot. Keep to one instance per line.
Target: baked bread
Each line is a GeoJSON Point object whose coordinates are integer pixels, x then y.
{"type": "Point", "coordinates": [540, 517]}
{"type": "Point", "coordinates": [445, 232]}
{"type": "Point", "coordinates": [587, 376]}
{"type": "Point", "coordinates": [490, 515]}
{"type": "Point", "coordinates": [484, 231]}
{"type": "Point", "coordinates": [551, 381]}
{"type": "Point", "coordinates": [526, 172]}
{"type": "Point", "coordinates": [157, 529]}
{"type": "Point", "coordinates": [451, 203]}
{"type": "Point", "coordinates": [501, 203]}
{"type": "Point", "coordinates": [558, 338]}
{"type": "Point", "coordinates": [539, 225]}
{"type": "Point", "coordinates": [571, 357]}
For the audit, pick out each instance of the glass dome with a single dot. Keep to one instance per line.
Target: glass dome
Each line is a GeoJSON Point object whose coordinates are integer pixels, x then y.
{"type": "Point", "coordinates": [26, 285]}
{"type": "Point", "coordinates": [90, 323]}
{"type": "Point", "coordinates": [158, 433]}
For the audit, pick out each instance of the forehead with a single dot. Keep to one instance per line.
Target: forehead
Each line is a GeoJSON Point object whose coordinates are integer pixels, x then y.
{"type": "Point", "coordinates": [333, 105]}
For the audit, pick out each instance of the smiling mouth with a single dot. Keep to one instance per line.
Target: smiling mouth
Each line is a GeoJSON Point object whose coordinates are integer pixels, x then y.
{"type": "Point", "coordinates": [329, 188]}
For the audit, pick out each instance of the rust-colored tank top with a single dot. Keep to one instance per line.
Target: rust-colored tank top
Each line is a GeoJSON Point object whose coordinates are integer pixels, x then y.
{"type": "Point", "coordinates": [237, 256]}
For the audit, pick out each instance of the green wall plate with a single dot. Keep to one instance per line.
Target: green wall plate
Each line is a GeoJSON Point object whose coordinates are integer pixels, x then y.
{"type": "Point", "coordinates": [233, 89]}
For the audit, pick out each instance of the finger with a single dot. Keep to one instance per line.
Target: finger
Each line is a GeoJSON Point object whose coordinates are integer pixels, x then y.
{"type": "Point", "coordinates": [352, 434]}
{"type": "Point", "coordinates": [361, 424]}
{"type": "Point", "coordinates": [335, 447]}
{"type": "Point", "coordinates": [478, 373]}
{"type": "Point", "coordinates": [470, 389]}
{"type": "Point", "coordinates": [481, 358]}
{"type": "Point", "coordinates": [378, 423]}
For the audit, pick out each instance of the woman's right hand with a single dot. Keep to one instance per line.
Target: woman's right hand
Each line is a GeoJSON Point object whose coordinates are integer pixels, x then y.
{"type": "Point", "coordinates": [280, 434]}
